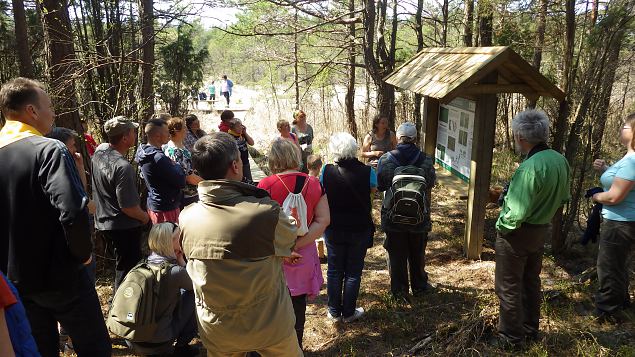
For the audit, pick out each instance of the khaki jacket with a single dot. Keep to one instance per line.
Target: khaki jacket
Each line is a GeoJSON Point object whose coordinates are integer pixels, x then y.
{"type": "Point", "coordinates": [235, 238]}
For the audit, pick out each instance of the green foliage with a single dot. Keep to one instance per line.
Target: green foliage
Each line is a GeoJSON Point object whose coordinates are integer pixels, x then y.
{"type": "Point", "coordinates": [181, 69]}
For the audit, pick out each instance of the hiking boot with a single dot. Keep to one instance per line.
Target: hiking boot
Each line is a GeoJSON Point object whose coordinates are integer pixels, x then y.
{"type": "Point", "coordinates": [359, 312]}
{"type": "Point", "coordinates": [429, 288]}
{"type": "Point", "coordinates": [333, 318]}
{"type": "Point", "coordinates": [402, 298]}
{"type": "Point", "coordinates": [504, 343]}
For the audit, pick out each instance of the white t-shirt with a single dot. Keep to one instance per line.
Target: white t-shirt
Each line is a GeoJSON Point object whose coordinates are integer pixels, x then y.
{"type": "Point", "coordinates": [224, 87]}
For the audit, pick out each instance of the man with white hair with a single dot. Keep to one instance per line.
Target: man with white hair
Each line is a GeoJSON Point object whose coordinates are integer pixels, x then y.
{"type": "Point", "coordinates": [538, 188]}
{"type": "Point", "coordinates": [406, 241]}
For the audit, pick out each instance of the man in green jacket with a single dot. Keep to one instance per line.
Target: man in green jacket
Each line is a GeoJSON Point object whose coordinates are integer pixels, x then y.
{"type": "Point", "coordinates": [538, 188]}
{"type": "Point", "coordinates": [235, 238]}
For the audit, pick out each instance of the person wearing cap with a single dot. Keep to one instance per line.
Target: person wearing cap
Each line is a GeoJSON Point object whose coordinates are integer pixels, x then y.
{"type": "Point", "coordinates": [118, 216]}
{"type": "Point", "coordinates": [45, 237]}
{"type": "Point", "coordinates": [406, 248]}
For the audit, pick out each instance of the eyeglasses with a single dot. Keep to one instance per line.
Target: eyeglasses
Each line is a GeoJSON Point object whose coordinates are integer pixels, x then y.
{"type": "Point", "coordinates": [174, 226]}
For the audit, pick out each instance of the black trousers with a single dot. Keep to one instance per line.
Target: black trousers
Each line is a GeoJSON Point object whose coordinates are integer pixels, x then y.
{"type": "Point", "coordinates": [78, 311]}
{"type": "Point", "coordinates": [299, 309]}
{"type": "Point", "coordinates": [616, 243]}
{"type": "Point", "coordinates": [226, 95]}
{"type": "Point", "coordinates": [517, 280]}
{"type": "Point", "coordinates": [406, 253]}
{"type": "Point", "coordinates": [127, 247]}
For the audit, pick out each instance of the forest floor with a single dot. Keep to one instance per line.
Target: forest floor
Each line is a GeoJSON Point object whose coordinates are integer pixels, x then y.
{"type": "Point", "coordinates": [460, 316]}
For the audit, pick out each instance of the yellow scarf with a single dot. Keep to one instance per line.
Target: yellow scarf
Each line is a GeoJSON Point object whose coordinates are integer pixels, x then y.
{"type": "Point", "coordinates": [235, 133]}
{"type": "Point", "coordinates": [16, 130]}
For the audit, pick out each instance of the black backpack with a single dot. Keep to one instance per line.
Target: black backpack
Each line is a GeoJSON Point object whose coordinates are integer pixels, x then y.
{"type": "Point", "coordinates": [405, 200]}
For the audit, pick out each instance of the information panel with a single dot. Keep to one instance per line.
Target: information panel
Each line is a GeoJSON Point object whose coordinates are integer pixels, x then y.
{"type": "Point", "coordinates": [454, 137]}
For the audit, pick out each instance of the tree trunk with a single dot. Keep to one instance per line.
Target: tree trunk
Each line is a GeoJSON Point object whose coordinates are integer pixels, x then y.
{"type": "Point", "coordinates": [418, 97]}
{"type": "Point", "coordinates": [379, 61]}
{"type": "Point", "coordinates": [22, 40]}
{"type": "Point", "coordinates": [296, 75]}
{"type": "Point", "coordinates": [540, 41]}
{"type": "Point", "coordinates": [444, 23]}
{"type": "Point", "coordinates": [468, 23]}
{"type": "Point", "coordinates": [486, 18]}
{"type": "Point", "coordinates": [61, 67]}
{"type": "Point", "coordinates": [146, 9]}
{"type": "Point", "coordinates": [560, 126]}
{"type": "Point", "coordinates": [350, 89]}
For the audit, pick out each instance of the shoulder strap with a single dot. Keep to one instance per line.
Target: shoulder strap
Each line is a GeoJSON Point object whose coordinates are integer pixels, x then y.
{"type": "Point", "coordinates": [297, 182]}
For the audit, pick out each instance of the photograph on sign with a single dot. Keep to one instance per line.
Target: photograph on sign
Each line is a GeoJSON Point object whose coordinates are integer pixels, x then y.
{"type": "Point", "coordinates": [454, 137]}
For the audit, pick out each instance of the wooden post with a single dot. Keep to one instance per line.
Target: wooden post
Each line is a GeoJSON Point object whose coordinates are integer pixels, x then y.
{"type": "Point", "coordinates": [480, 172]}
{"type": "Point", "coordinates": [431, 106]}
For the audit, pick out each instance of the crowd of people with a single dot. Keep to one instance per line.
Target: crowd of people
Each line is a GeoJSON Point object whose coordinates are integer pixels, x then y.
{"type": "Point", "coordinates": [233, 261]}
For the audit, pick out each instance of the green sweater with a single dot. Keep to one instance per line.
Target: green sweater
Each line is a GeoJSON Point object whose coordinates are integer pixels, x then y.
{"type": "Point", "coordinates": [538, 188]}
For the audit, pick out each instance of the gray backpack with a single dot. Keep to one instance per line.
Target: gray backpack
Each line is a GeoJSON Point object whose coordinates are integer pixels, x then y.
{"type": "Point", "coordinates": [405, 201]}
{"type": "Point", "coordinates": [133, 311]}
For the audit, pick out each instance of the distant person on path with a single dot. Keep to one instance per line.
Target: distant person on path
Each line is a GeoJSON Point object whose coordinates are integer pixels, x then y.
{"type": "Point", "coordinates": [304, 278]}
{"type": "Point", "coordinates": [226, 86]}
{"type": "Point", "coordinates": [164, 178]}
{"type": "Point", "coordinates": [225, 118]}
{"type": "Point", "coordinates": [194, 131]}
{"type": "Point", "coordinates": [118, 217]}
{"type": "Point", "coordinates": [234, 239]}
{"type": "Point", "coordinates": [284, 128]}
{"type": "Point", "coordinates": [618, 229]}
{"type": "Point", "coordinates": [212, 91]}
{"type": "Point", "coordinates": [406, 242]}
{"type": "Point", "coordinates": [176, 150]}
{"type": "Point", "coordinates": [45, 243]}
{"type": "Point", "coordinates": [379, 141]}
{"type": "Point", "coordinates": [175, 308]}
{"type": "Point", "coordinates": [539, 186]}
{"type": "Point", "coordinates": [348, 184]}
{"type": "Point", "coordinates": [239, 132]}
{"type": "Point", "coordinates": [304, 132]}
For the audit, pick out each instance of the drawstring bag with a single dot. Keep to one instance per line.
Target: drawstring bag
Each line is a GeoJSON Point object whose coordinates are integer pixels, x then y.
{"type": "Point", "coordinates": [295, 205]}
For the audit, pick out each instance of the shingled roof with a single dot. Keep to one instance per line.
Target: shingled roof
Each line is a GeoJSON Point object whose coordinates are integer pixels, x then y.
{"type": "Point", "coordinates": [446, 73]}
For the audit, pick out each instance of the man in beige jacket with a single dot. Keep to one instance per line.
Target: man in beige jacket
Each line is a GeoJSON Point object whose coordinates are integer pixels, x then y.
{"type": "Point", "coordinates": [235, 238]}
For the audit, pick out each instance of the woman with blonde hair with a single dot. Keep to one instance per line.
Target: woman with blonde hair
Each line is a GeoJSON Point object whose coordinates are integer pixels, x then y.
{"type": "Point", "coordinates": [175, 149]}
{"type": "Point", "coordinates": [617, 235]}
{"type": "Point", "coordinates": [304, 278]}
{"type": "Point", "coordinates": [175, 310]}
{"type": "Point", "coordinates": [285, 132]}
{"type": "Point", "coordinates": [304, 132]}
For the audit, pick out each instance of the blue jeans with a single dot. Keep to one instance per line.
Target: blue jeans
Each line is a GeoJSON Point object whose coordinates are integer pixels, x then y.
{"type": "Point", "coordinates": [345, 256]}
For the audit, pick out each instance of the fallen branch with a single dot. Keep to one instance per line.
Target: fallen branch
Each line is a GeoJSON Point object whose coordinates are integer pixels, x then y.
{"type": "Point", "coordinates": [420, 345]}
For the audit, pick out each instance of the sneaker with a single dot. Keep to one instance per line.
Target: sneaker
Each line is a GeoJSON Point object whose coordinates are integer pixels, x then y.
{"type": "Point", "coordinates": [333, 318]}
{"type": "Point", "coordinates": [359, 312]}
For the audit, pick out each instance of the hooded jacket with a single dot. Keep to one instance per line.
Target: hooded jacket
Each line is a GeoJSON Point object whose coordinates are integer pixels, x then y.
{"type": "Point", "coordinates": [234, 239]}
{"type": "Point", "coordinates": [164, 178]}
